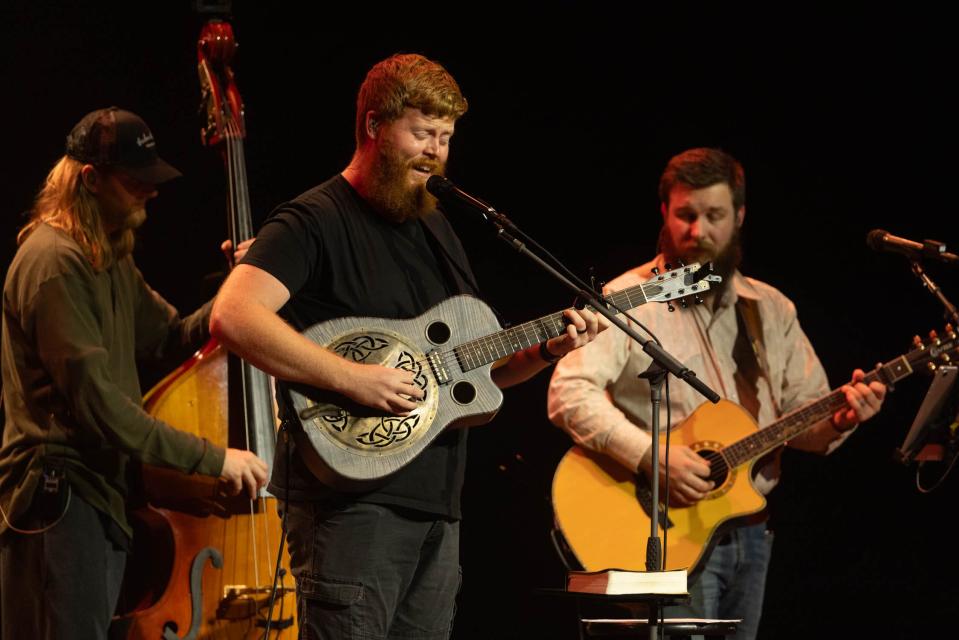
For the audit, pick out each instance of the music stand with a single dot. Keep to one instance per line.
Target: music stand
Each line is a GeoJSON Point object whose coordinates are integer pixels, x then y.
{"type": "Point", "coordinates": [937, 412]}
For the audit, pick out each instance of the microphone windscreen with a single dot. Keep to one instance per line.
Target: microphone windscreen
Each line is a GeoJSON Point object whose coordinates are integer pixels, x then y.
{"type": "Point", "coordinates": [438, 185]}
{"type": "Point", "coordinates": [875, 237]}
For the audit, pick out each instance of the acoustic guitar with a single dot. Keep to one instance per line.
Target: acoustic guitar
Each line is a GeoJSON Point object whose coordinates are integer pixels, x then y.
{"type": "Point", "coordinates": [605, 511]}
{"type": "Point", "coordinates": [352, 447]}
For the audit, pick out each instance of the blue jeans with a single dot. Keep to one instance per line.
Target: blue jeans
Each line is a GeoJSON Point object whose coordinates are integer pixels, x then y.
{"type": "Point", "coordinates": [733, 582]}
{"type": "Point", "coordinates": [371, 572]}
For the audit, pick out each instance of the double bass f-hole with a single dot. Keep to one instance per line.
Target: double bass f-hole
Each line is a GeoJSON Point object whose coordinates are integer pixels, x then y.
{"type": "Point", "coordinates": [212, 559]}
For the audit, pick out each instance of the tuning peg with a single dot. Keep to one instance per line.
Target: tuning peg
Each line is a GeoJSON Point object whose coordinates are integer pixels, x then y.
{"type": "Point", "coordinates": [698, 299]}
{"type": "Point", "coordinates": [655, 271]}
{"type": "Point", "coordinates": [669, 305]}
{"type": "Point", "coordinates": [668, 266]}
{"type": "Point", "coordinates": [932, 367]}
{"type": "Point", "coordinates": [917, 342]}
{"type": "Point", "coordinates": [683, 303]}
{"type": "Point", "coordinates": [948, 327]}
{"type": "Point", "coordinates": [681, 263]}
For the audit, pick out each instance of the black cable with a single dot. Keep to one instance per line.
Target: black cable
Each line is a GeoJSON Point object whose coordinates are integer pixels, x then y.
{"type": "Point", "coordinates": [937, 483]}
{"type": "Point", "coordinates": [666, 484]}
{"type": "Point", "coordinates": [279, 554]}
{"type": "Point", "coordinates": [662, 610]}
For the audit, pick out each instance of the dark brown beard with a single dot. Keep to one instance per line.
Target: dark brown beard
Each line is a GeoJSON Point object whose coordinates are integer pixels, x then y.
{"type": "Point", "coordinates": [724, 263]}
{"type": "Point", "coordinates": [389, 190]}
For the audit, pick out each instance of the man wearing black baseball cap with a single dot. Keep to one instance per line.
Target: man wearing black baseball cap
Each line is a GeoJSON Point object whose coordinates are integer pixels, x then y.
{"type": "Point", "coordinates": [118, 139]}
{"type": "Point", "coordinates": [76, 313]}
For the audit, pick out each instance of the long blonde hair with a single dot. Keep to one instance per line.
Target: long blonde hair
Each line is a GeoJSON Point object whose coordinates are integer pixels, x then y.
{"type": "Point", "coordinates": [67, 204]}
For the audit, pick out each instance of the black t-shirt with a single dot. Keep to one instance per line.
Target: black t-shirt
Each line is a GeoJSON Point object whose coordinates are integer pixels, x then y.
{"type": "Point", "coordinates": [339, 258]}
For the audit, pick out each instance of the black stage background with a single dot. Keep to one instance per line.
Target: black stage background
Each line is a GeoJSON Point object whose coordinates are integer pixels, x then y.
{"type": "Point", "coordinates": [842, 122]}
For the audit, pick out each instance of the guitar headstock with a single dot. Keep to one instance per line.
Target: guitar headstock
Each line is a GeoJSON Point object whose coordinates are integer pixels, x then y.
{"type": "Point", "coordinates": [689, 281]}
{"type": "Point", "coordinates": [936, 351]}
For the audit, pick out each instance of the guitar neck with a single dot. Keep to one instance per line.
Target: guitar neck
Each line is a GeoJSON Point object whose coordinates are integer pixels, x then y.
{"type": "Point", "coordinates": [491, 348]}
{"type": "Point", "coordinates": [798, 421]}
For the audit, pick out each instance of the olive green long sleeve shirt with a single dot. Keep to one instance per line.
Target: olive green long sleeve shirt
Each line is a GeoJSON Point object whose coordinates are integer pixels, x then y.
{"type": "Point", "coordinates": [72, 397]}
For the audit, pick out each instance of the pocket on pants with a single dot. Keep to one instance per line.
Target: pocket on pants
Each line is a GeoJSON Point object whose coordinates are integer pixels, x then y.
{"type": "Point", "coordinates": [327, 608]}
{"type": "Point", "coordinates": [341, 593]}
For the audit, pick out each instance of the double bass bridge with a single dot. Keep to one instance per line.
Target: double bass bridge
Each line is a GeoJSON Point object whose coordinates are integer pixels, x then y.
{"type": "Point", "coordinates": [241, 602]}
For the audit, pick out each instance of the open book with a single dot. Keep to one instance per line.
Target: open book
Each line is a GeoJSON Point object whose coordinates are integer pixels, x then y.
{"type": "Point", "coordinates": [619, 582]}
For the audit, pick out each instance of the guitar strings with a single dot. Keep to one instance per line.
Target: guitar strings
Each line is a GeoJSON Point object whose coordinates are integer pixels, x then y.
{"type": "Point", "coordinates": [488, 343]}
{"type": "Point", "coordinates": [482, 348]}
{"type": "Point", "coordinates": [819, 410]}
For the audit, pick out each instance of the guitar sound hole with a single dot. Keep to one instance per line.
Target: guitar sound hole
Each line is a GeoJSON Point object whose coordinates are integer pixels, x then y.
{"type": "Point", "coordinates": [438, 332]}
{"type": "Point", "coordinates": [717, 466]}
{"type": "Point", "coordinates": [463, 392]}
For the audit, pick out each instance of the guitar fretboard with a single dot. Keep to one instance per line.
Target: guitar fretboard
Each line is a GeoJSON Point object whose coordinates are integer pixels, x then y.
{"type": "Point", "coordinates": [482, 351]}
{"type": "Point", "coordinates": [239, 218]}
{"type": "Point", "coordinates": [798, 421]}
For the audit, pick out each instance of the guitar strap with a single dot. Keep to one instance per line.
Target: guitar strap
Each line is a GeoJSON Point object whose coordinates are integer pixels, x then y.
{"type": "Point", "coordinates": [751, 325]}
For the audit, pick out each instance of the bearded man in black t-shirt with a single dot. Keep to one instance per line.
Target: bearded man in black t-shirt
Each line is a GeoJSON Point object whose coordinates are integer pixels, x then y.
{"type": "Point", "coordinates": [369, 242]}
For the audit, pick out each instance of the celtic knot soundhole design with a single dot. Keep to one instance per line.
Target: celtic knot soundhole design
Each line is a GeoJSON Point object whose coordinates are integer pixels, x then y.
{"type": "Point", "coordinates": [396, 429]}
{"type": "Point", "coordinates": [373, 432]}
{"type": "Point", "coordinates": [360, 348]}
{"type": "Point", "coordinates": [337, 422]}
{"type": "Point", "coordinates": [407, 362]}
{"type": "Point", "coordinates": [389, 431]}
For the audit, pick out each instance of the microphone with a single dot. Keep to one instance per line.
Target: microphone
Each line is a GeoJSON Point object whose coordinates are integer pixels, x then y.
{"type": "Point", "coordinates": [881, 240]}
{"type": "Point", "coordinates": [445, 191]}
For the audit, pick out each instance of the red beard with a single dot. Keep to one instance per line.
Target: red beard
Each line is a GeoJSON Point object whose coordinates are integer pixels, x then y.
{"type": "Point", "coordinates": [390, 190]}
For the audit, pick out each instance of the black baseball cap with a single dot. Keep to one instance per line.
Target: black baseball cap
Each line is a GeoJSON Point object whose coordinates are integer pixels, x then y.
{"type": "Point", "coordinates": [113, 137]}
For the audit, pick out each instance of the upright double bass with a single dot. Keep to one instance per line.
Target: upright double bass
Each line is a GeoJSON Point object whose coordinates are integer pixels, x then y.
{"type": "Point", "coordinates": [205, 565]}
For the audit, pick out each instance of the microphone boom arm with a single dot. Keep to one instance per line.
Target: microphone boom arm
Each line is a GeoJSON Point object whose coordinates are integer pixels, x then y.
{"type": "Point", "coordinates": [443, 188]}
{"type": "Point", "coordinates": [934, 289]}
{"type": "Point", "coordinates": [916, 253]}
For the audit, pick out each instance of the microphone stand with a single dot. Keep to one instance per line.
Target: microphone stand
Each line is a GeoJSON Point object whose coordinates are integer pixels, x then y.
{"type": "Point", "coordinates": [663, 363]}
{"type": "Point", "coordinates": [934, 289]}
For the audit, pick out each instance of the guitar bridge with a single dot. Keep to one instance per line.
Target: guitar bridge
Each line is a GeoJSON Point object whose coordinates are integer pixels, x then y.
{"type": "Point", "coordinates": [440, 373]}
